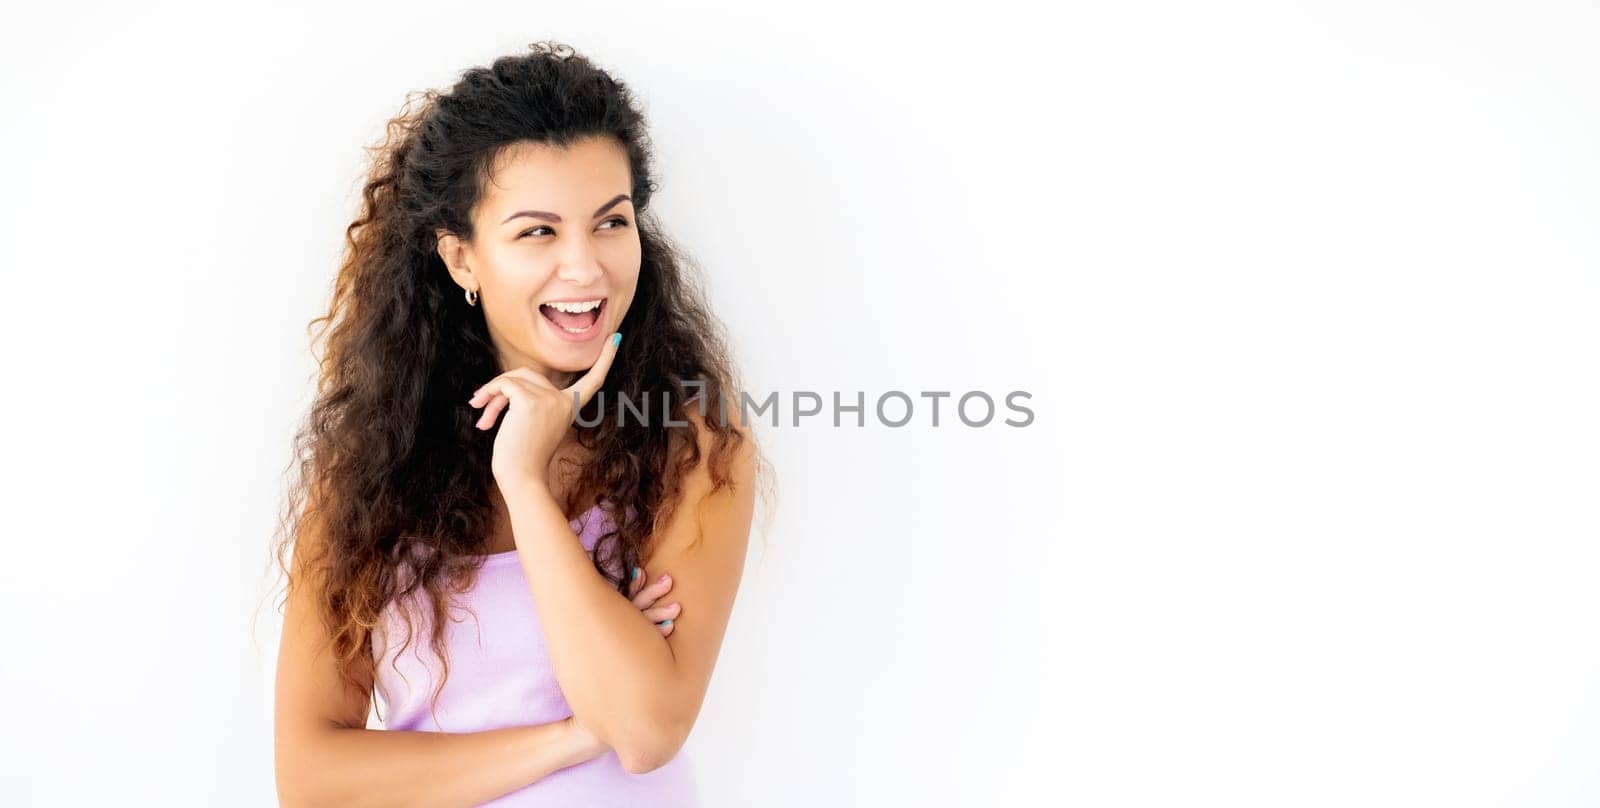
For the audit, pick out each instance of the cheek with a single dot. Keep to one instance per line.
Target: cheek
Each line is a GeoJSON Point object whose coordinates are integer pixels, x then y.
{"type": "Point", "coordinates": [625, 258]}
{"type": "Point", "coordinates": [624, 270]}
{"type": "Point", "coordinates": [519, 276]}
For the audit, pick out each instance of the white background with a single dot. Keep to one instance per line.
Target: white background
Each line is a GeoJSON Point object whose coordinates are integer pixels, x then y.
{"type": "Point", "coordinates": [1306, 297]}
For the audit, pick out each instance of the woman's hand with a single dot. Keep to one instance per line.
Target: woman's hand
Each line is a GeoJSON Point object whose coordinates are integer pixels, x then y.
{"type": "Point", "coordinates": [645, 598]}
{"type": "Point", "coordinates": [537, 416]}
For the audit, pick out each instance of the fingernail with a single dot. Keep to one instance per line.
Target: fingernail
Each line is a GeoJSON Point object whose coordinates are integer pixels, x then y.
{"type": "Point", "coordinates": [616, 339]}
{"type": "Point", "coordinates": [666, 622]}
{"type": "Point", "coordinates": [662, 579]}
{"type": "Point", "coordinates": [636, 572]}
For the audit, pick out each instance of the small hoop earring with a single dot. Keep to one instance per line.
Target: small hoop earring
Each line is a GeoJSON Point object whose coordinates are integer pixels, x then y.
{"type": "Point", "coordinates": [472, 297]}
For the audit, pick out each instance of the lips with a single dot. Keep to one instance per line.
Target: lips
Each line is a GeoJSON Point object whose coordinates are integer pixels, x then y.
{"type": "Point", "coordinates": [574, 326]}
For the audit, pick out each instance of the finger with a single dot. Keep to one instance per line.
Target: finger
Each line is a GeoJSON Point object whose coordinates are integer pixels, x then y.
{"type": "Point", "coordinates": [648, 595]}
{"type": "Point", "coordinates": [661, 613]}
{"type": "Point", "coordinates": [507, 387]}
{"type": "Point", "coordinates": [492, 407]}
{"type": "Point", "coordinates": [589, 383]}
{"type": "Point", "coordinates": [505, 384]}
{"type": "Point", "coordinates": [655, 590]}
{"type": "Point", "coordinates": [497, 404]}
{"type": "Point", "coordinates": [638, 581]}
{"type": "Point", "coordinates": [480, 395]}
{"type": "Point", "coordinates": [665, 626]}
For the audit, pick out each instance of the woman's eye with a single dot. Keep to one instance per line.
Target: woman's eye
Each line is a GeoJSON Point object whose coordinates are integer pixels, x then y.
{"type": "Point", "coordinates": [619, 221]}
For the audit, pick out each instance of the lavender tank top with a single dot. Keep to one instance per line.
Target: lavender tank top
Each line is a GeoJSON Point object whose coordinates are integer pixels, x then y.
{"type": "Point", "coordinates": [500, 676]}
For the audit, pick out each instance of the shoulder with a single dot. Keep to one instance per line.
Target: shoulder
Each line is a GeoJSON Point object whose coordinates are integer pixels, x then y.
{"type": "Point", "coordinates": [725, 439]}
{"type": "Point", "coordinates": [712, 489]}
{"type": "Point", "coordinates": [715, 462]}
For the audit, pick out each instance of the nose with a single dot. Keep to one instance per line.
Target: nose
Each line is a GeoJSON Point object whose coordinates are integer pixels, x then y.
{"type": "Point", "coordinates": [580, 265]}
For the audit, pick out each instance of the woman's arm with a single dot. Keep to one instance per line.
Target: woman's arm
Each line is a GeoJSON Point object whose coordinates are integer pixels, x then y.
{"type": "Point", "coordinates": [324, 755]}
{"type": "Point", "coordinates": [358, 767]}
{"type": "Point", "coordinates": [639, 691]}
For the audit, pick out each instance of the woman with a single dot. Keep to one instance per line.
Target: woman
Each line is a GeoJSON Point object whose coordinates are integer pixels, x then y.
{"type": "Point", "coordinates": [484, 460]}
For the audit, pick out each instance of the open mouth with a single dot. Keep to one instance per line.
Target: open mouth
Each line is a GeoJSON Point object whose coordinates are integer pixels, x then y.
{"type": "Point", "coordinates": [575, 318]}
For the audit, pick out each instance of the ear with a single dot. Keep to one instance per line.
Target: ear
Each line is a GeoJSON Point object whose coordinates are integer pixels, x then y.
{"type": "Point", "coordinates": [453, 251]}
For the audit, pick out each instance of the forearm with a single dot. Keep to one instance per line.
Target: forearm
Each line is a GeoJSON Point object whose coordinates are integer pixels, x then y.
{"type": "Point", "coordinates": [614, 668]}
{"type": "Point", "coordinates": [361, 767]}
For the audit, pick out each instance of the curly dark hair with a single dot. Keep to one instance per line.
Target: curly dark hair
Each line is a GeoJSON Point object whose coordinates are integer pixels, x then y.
{"type": "Point", "coordinates": [389, 461]}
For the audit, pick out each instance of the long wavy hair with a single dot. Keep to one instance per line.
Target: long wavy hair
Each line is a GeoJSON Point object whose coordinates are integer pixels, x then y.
{"type": "Point", "coordinates": [391, 469]}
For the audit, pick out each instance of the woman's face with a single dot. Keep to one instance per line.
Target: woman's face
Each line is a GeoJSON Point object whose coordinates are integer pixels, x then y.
{"type": "Point", "coordinates": [554, 228]}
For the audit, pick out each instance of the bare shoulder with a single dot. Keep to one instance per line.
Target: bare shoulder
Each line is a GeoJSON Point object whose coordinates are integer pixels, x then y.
{"type": "Point", "coordinates": [724, 422]}
{"type": "Point", "coordinates": [715, 497]}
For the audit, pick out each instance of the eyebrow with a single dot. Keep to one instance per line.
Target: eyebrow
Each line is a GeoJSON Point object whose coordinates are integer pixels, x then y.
{"type": "Point", "coordinates": [551, 217]}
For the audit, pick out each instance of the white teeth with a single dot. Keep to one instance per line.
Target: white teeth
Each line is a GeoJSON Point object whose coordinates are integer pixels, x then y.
{"type": "Point", "coordinates": [574, 308]}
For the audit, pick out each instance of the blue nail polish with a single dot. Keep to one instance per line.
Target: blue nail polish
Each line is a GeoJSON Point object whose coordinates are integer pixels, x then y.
{"type": "Point", "coordinates": [616, 339]}
{"type": "Point", "coordinates": [636, 572]}
{"type": "Point", "coordinates": [667, 622]}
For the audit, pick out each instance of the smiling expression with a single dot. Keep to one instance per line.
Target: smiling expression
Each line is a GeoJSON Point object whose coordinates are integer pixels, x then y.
{"type": "Point", "coordinates": [555, 254]}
